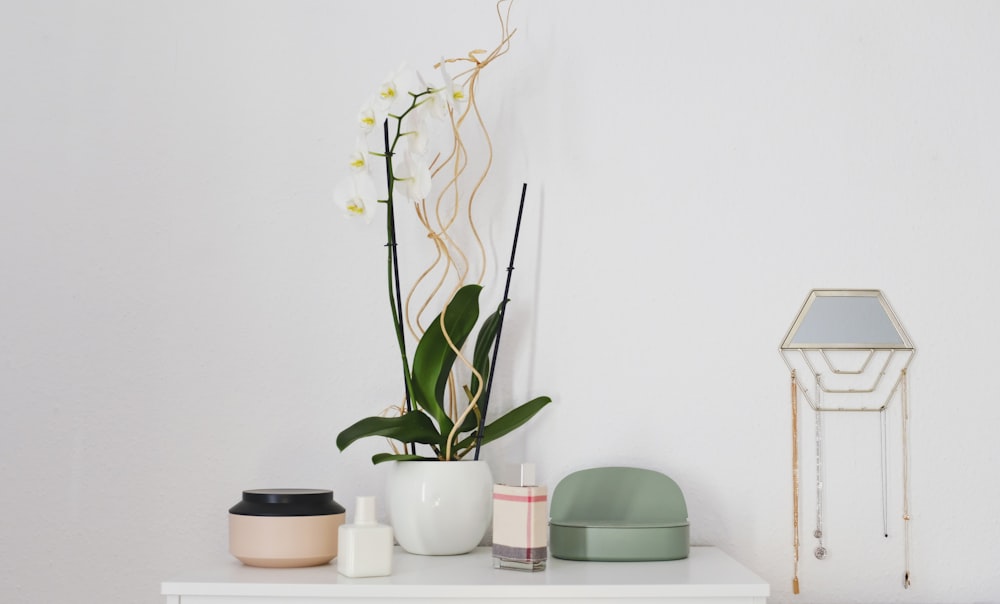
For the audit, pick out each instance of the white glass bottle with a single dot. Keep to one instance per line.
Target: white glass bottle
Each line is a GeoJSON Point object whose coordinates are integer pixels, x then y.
{"type": "Point", "coordinates": [364, 547]}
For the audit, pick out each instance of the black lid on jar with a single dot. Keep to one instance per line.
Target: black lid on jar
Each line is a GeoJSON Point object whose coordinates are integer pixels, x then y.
{"type": "Point", "coordinates": [287, 502]}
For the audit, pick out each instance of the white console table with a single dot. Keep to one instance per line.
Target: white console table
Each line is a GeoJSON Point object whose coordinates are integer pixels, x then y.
{"type": "Point", "coordinates": [707, 576]}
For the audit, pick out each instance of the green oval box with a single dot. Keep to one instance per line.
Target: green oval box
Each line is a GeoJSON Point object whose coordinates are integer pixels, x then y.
{"type": "Point", "coordinates": [618, 514]}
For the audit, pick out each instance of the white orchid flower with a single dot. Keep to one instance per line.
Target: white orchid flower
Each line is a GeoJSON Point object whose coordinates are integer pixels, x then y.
{"type": "Point", "coordinates": [367, 118]}
{"type": "Point", "coordinates": [388, 92]}
{"type": "Point", "coordinates": [435, 103]}
{"type": "Point", "coordinates": [413, 176]}
{"type": "Point", "coordinates": [453, 92]}
{"type": "Point", "coordinates": [418, 135]}
{"type": "Point", "coordinates": [356, 195]}
{"type": "Point", "coordinates": [358, 160]}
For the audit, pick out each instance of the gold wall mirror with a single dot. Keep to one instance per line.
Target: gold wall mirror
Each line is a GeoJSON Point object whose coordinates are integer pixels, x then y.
{"type": "Point", "coordinates": [847, 351]}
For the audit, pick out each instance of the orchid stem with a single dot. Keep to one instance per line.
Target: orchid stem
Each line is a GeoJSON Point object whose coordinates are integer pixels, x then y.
{"type": "Point", "coordinates": [395, 298]}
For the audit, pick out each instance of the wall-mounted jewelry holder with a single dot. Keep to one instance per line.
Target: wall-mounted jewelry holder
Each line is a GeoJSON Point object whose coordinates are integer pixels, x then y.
{"type": "Point", "coordinates": [847, 352]}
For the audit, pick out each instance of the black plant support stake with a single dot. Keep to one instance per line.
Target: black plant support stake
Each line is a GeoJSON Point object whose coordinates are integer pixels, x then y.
{"type": "Point", "coordinates": [396, 294]}
{"type": "Point", "coordinates": [503, 313]}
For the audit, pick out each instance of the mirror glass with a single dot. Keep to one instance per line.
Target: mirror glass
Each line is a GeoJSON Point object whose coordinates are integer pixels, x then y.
{"type": "Point", "coordinates": [845, 319]}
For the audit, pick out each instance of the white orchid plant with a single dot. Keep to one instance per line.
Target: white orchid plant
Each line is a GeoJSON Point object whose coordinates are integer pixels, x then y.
{"type": "Point", "coordinates": [427, 162]}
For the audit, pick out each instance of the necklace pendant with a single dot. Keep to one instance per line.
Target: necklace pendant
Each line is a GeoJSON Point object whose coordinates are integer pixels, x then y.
{"type": "Point", "coordinates": [820, 552]}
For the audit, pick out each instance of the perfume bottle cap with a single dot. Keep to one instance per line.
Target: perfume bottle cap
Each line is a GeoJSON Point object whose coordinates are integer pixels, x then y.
{"type": "Point", "coordinates": [364, 512]}
{"type": "Point", "coordinates": [527, 477]}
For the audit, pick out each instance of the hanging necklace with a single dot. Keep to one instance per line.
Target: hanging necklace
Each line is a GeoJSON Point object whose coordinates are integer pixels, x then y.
{"type": "Point", "coordinates": [820, 552]}
{"type": "Point", "coordinates": [906, 483]}
{"type": "Point", "coordinates": [883, 439]}
{"type": "Point", "coordinates": [795, 482]}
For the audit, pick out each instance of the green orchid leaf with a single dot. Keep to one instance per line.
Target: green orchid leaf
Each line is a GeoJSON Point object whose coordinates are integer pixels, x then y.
{"type": "Point", "coordinates": [507, 423]}
{"type": "Point", "coordinates": [484, 346]}
{"type": "Point", "coordinates": [433, 359]}
{"type": "Point", "coordinates": [380, 457]}
{"type": "Point", "coordinates": [410, 427]}
{"type": "Point", "coordinates": [481, 361]}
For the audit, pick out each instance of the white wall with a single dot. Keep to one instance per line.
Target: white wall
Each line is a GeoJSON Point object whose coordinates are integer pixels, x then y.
{"type": "Point", "coordinates": [184, 313]}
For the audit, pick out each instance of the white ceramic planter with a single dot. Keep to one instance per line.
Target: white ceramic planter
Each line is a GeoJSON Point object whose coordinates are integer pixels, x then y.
{"type": "Point", "coordinates": [439, 508]}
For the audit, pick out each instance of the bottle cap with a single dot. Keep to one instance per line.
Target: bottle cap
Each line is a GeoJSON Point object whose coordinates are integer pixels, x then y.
{"type": "Point", "coordinates": [527, 475]}
{"type": "Point", "coordinates": [364, 512]}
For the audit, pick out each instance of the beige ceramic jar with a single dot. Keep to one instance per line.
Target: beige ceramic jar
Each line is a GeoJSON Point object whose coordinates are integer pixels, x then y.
{"type": "Point", "coordinates": [283, 528]}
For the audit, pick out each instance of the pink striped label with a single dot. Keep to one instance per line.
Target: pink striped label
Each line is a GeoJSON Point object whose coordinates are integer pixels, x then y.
{"type": "Point", "coordinates": [524, 498]}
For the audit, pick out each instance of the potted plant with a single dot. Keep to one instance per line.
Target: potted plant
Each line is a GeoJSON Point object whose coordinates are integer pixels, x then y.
{"type": "Point", "coordinates": [443, 414]}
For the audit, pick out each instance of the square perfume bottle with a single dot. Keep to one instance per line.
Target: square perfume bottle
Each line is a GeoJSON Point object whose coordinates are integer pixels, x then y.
{"type": "Point", "coordinates": [520, 523]}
